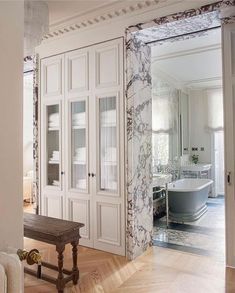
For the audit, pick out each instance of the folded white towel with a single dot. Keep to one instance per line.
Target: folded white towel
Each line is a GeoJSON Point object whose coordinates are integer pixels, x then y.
{"type": "Point", "coordinates": [79, 159]}
{"type": "Point", "coordinates": [53, 124]}
{"type": "Point", "coordinates": [54, 117]}
{"type": "Point", "coordinates": [108, 117]}
{"type": "Point", "coordinates": [56, 182]}
{"type": "Point", "coordinates": [112, 185]}
{"type": "Point", "coordinates": [80, 150]}
{"type": "Point", "coordinates": [80, 154]}
{"type": "Point", "coordinates": [79, 119]}
{"type": "Point", "coordinates": [108, 113]}
{"type": "Point", "coordinates": [54, 159]}
{"type": "Point", "coordinates": [79, 115]}
{"type": "Point", "coordinates": [55, 154]}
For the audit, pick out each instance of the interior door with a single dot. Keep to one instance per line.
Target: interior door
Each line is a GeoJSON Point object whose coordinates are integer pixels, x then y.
{"type": "Point", "coordinates": [228, 46]}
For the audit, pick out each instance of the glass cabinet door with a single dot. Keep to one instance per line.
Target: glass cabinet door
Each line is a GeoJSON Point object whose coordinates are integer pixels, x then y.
{"type": "Point", "coordinates": [108, 168]}
{"type": "Point", "coordinates": [78, 145]}
{"type": "Point", "coordinates": [53, 145]}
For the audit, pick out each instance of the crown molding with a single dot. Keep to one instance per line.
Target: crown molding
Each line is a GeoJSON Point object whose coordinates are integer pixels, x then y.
{"type": "Point", "coordinates": [119, 9]}
{"type": "Point", "coordinates": [76, 15]}
{"type": "Point", "coordinates": [197, 83]}
{"type": "Point", "coordinates": [182, 53]}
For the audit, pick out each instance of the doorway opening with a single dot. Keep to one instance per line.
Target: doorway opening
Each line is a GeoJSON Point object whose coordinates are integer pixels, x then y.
{"type": "Point", "coordinates": [140, 38]}
{"type": "Point", "coordinates": [188, 143]}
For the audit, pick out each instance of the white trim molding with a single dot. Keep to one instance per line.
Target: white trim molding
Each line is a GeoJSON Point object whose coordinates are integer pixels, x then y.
{"type": "Point", "coordinates": [117, 10]}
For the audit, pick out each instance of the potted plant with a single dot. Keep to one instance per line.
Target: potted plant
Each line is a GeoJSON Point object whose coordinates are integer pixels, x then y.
{"type": "Point", "coordinates": [195, 159]}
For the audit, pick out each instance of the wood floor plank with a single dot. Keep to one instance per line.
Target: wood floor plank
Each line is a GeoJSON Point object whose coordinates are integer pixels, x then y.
{"type": "Point", "coordinates": [159, 270]}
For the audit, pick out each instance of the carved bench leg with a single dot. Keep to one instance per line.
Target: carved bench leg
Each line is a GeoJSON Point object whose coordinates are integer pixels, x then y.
{"type": "Point", "coordinates": [75, 267]}
{"type": "Point", "coordinates": [60, 284]}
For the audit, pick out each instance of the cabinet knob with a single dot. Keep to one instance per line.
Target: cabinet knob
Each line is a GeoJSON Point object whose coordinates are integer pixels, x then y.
{"type": "Point", "coordinates": [62, 172]}
{"type": "Point", "coordinates": [92, 175]}
{"type": "Point", "coordinates": [89, 174]}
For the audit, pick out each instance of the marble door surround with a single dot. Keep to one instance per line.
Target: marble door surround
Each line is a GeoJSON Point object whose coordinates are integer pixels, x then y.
{"type": "Point", "coordinates": [139, 201]}
{"type": "Point", "coordinates": [138, 111]}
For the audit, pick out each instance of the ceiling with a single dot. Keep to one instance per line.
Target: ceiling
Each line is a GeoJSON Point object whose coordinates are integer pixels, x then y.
{"type": "Point", "coordinates": [60, 11]}
{"type": "Point", "coordinates": [191, 63]}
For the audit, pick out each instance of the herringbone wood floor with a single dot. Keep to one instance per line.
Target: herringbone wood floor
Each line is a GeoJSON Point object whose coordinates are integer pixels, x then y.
{"type": "Point", "coordinates": [159, 270]}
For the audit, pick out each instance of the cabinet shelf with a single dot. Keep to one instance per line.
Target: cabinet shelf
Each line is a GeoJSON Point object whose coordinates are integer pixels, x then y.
{"type": "Point", "coordinates": [79, 162]}
{"type": "Point", "coordinates": [53, 128]}
{"type": "Point", "coordinates": [54, 162]}
{"type": "Point", "coordinates": [109, 125]}
{"type": "Point", "coordinates": [107, 163]}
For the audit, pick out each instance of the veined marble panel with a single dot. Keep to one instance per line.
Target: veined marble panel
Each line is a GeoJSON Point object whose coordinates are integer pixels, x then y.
{"type": "Point", "coordinates": [139, 148]}
{"type": "Point", "coordinates": [32, 63]}
{"type": "Point", "coordinates": [36, 130]}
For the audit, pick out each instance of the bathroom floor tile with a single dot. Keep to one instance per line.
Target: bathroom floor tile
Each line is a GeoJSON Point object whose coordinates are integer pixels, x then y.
{"type": "Point", "coordinates": [206, 236]}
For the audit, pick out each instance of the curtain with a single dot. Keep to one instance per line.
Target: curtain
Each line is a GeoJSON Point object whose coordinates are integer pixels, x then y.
{"type": "Point", "coordinates": [165, 111]}
{"type": "Point", "coordinates": [215, 109]}
{"type": "Point", "coordinates": [165, 108]}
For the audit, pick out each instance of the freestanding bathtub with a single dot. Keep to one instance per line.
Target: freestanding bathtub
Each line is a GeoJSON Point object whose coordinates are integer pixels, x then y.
{"type": "Point", "coordinates": [187, 199]}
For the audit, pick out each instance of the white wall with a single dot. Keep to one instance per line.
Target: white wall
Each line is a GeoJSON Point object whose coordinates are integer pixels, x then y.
{"type": "Point", "coordinates": [198, 121]}
{"type": "Point", "coordinates": [11, 94]}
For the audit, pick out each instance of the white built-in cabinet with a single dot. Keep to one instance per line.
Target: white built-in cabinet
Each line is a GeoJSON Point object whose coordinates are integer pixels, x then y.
{"type": "Point", "coordinates": [82, 142]}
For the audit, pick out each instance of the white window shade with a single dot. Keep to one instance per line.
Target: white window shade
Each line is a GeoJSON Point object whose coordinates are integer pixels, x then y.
{"type": "Point", "coordinates": [165, 112]}
{"type": "Point", "coordinates": [215, 109]}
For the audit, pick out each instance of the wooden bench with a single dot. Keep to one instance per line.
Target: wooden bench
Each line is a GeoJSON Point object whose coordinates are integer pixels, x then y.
{"type": "Point", "coordinates": [57, 232]}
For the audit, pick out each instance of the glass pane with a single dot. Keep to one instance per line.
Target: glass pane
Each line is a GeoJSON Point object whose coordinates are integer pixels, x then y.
{"type": "Point", "coordinates": [79, 160]}
{"type": "Point", "coordinates": [108, 143]}
{"type": "Point", "coordinates": [53, 145]}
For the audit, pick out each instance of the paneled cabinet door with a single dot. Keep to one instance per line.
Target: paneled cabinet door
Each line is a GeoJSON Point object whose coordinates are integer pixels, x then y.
{"type": "Point", "coordinates": [52, 146]}
{"type": "Point", "coordinates": [77, 72]}
{"type": "Point", "coordinates": [52, 179]}
{"type": "Point", "coordinates": [78, 193]}
{"type": "Point", "coordinates": [108, 144]}
{"type": "Point", "coordinates": [108, 199]}
{"type": "Point", "coordinates": [78, 145]}
{"type": "Point", "coordinates": [53, 205]}
{"type": "Point", "coordinates": [52, 77]}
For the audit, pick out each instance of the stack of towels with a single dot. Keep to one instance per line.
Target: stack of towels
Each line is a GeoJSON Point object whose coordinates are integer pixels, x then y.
{"type": "Point", "coordinates": [56, 183]}
{"type": "Point", "coordinates": [55, 158]}
{"type": "Point", "coordinates": [80, 154]}
{"type": "Point", "coordinates": [110, 155]}
{"type": "Point", "coordinates": [108, 184]}
{"type": "Point", "coordinates": [81, 184]}
{"type": "Point", "coordinates": [54, 120]}
{"type": "Point", "coordinates": [79, 119]}
{"type": "Point", "coordinates": [108, 117]}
